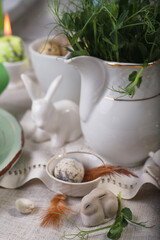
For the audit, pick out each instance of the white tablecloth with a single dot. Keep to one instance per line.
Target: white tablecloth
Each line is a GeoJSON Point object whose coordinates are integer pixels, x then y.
{"type": "Point", "coordinates": [16, 226]}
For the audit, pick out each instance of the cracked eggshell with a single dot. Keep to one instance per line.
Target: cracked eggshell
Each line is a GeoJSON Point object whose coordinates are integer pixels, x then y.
{"type": "Point", "coordinates": [24, 205]}
{"type": "Point", "coordinates": [69, 170]}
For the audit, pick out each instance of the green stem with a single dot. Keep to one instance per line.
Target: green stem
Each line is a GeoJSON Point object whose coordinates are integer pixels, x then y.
{"type": "Point", "coordinates": [133, 25]}
{"type": "Point", "coordinates": [95, 33]}
{"type": "Point", "coordinates": [110, 14]}
{"type": "Point", "coordinates": [88, 21]}
{"type": "Point", "coordinates": [136, 13]}
{"type": "Point", "coordinates": [78, 45]}
{"type": "Point", "coordinates": [67, 219]}
{"type": "Point", "coordinates": [137, 77]}
{"type": "Point", "coordinates": [152, 48]}
{"type": "Point", "coordinates": [120, 202]}
{"type": "Point", "coordinates": [116, 42]}
{"type": "Point", "coordinates": [139, 224]}
{"type": "Point", "coordinates": [98, 229]}
{"type": "Point", "coordinates": [134, 6]}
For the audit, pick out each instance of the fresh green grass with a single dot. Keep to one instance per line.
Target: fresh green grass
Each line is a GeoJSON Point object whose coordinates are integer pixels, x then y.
{"type": "Point", "coordinates": [117, 30]}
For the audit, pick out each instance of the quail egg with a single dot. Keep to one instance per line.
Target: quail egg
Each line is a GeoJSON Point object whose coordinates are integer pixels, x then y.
{"type": "Point", "coordinates": [69, 170]}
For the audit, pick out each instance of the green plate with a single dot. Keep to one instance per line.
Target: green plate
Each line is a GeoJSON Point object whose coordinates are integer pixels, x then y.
{"type": "Point", "coordinates": [11, 141]}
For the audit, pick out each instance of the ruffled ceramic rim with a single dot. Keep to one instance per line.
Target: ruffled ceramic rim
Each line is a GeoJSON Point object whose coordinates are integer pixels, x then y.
{"type": "Point", "coordinates": [70, 183]}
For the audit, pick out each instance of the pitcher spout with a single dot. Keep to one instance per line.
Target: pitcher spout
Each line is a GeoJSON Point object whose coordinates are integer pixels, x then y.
{"type": "Point", "coordinates": [92, 72]}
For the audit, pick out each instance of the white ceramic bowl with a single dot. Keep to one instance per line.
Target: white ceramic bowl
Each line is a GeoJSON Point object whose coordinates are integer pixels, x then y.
{"type": "Point", "coordinates": [47, 67]}
{"type": "Point", "coordinates": [88, 160]}
{"type": "Point", "coordinates": [15, 69]}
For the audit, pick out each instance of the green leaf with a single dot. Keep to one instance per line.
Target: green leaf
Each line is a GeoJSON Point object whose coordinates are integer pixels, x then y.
{"type": "Point", "coordinates": [124, 223]}
{"type": "Point", "coordinates": [105, 39]}
{"type": "Point", "coordinates": [120, 21]}
{"type": "Point", "coordinates": [68, 49]}
{"type": "Point", "coordinates": [115, 232]}
{"type": "Point", "coordinates": [122, 17]}
{"type": "Point", "coordinates": [127, 213]}
{"type": "Point", "coordinates": [67, 21]}
{"type": "Point", "coordinates": [78, 53]}
{"type": "Point", "coordinates": [118, 221]}
{"type": "Point", "coordinates": [113, 7]}
{"type": "Point", "coordinates": [132, 76]}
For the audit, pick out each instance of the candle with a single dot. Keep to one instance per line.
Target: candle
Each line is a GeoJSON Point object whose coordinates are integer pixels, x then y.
{"type": "Point", "coordinates": [11, 47]}
{"type": "Point", "coordinates": [13, 61]}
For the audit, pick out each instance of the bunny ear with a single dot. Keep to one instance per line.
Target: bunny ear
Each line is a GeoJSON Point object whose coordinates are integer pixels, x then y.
{"type": "Point", "coordinates": [31, 87]}
{"type": "Point", "coordinates": [53, 87]}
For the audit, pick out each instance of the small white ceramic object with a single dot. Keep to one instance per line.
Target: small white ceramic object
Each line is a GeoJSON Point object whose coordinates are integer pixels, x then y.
{"type": "Point", "coordinates": [15, 69]}
{"type": "Point", "coordinates": [98, 207]}
{"type": "Point", "coordinates": [59, 121]}
{"type": "Point", "coordinates": [121, 130]}
{"type": "Point", "coordinates": [24, 205]}
{"type": "Point", "coordinates": [69, 170]}
{"type": "Point", "coordinates": [88, 160]}
{"type": "Point", "coordinates": [155, 157]}
{"type": "Point", "coordinates": [47, 67]}
{"type": "Point", "coordinates": [154, 171]}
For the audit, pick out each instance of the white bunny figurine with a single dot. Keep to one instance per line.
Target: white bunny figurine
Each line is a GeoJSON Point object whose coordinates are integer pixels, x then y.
{"type": "Point", "coordinates": [58, 122]}
{"type": "Point", "coordinates": [98, 207]}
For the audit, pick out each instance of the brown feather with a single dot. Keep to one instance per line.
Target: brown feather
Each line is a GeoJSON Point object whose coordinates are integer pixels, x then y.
{"type": "Point", "coordinates": [104, 170]}
{"type": "Point", "coordinates": [57, 205]}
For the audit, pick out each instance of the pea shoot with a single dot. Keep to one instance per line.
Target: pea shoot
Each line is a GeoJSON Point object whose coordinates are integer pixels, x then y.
{"type": "Point", "coordinates": [117, 30]}
{"type": "Point", "coordinates": [124, 217]}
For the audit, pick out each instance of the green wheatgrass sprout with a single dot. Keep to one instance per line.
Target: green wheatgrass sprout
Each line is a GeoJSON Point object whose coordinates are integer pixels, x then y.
{"type": "Point", "coordinates": [117, 30]}
{"type": "Point", "coordinates": [11, 49]}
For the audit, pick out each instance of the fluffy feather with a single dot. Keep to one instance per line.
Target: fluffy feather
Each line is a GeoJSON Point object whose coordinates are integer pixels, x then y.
{"type": "Point", "coordinates": [104, 170]}
{"type": "Point", "coordinates": [57, 205]}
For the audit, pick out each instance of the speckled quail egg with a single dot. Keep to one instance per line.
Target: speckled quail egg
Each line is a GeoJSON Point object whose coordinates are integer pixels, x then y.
{"type": "Point", "coordinates": [69, 170]}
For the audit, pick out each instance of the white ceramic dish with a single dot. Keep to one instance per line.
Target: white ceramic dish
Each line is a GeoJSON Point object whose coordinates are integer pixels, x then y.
{"type": "Point", "coordinates": [47, 67]}
{"type": "Point", "coordinates": [88, 160]}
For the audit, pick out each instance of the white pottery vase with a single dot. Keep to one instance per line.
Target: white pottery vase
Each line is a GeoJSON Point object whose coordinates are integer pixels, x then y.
{"type": "Point", "coordinates": [48, 67]}
{"type": "Point", "coordinates": [122, 130]}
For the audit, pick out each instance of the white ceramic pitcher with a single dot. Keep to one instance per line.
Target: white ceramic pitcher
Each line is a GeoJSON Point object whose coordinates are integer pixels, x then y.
{"type": "Point", "coordinates": [122, 130]}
